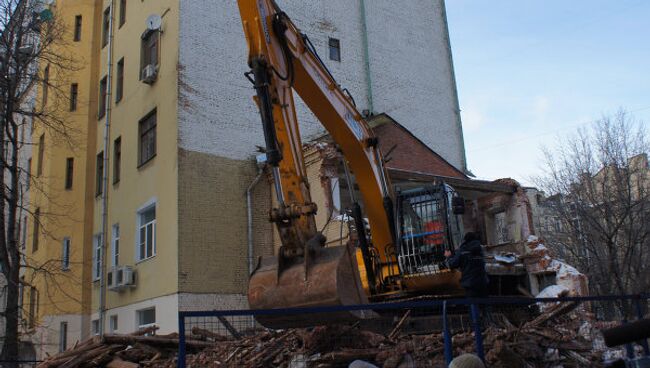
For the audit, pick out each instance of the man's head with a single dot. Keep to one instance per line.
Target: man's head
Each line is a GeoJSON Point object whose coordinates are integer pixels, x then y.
{"type": "Point", "coordinates": [470, 236]}
{"type": "Point", "coordinates": [467, 361]}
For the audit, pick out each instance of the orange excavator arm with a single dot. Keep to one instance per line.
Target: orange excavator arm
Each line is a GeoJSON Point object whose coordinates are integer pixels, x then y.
{"type": "Point", "coordinates": [282, 60]}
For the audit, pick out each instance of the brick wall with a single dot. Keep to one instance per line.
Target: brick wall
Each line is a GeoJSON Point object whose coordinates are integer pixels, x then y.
{"type": "Point", "coordinates": [410, 154]}
{"type": "Point", "coordinates": [212, 222]}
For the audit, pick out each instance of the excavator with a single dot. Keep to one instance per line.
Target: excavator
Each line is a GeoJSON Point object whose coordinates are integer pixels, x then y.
{"type": "Point", "coordinates": [398, 253]}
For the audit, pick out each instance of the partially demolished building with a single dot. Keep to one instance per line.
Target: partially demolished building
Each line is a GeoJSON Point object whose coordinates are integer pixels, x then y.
{"type": "Point", "coordinates": [500, 211]}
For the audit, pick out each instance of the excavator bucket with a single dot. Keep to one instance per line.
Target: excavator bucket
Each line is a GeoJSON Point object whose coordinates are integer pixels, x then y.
{"type": "Point", "coordinates": [331, 279]}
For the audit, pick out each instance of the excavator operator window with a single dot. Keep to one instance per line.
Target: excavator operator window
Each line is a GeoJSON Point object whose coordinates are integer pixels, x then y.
{"type": "Point", "coordinates": [423, 230]}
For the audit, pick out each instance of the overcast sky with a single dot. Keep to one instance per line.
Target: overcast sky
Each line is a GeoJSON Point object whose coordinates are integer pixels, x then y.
{"type": "Point", "coordinates": [531, 71]}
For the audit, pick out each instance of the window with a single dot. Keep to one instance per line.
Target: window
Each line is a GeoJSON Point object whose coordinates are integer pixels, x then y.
{"type": "Point", "coordinates": [99, 174]}
{"type": "Point", "coordinates": [112, 321]}
{"type": "Point", "coordinates": [106, 25]}
{"type": "Point", "coordinates": [46, 83]}
{"type": "Point", "coordinates": [24, 245]}
{"type": "Point", "coordinates": [63, 337]}
{"type": "Point", "coordinates": [95, 327]}
{"type": "Point", "coordinates": [115, 246]}
{"type": "Point", "coordinates": [335, 49]}
{"type": "Point", "coordinates": [146, 317]}
{"type": "Point", "coordinates": [41, 153]}
{"type": "Point", "coordinates": [117, 159]}
{"type": "Point", "coordinates": [119, 87]}
{"type": "Point", "coordinates": [147, 142]}
{"type": "Point", "coordinates": [101, 109]}
{"type": "Point", "coordinates": [122, 12]}
{"type": "Point", "coordinates": [97, 256]}
{"type": "Point", "coordinates": [33, 306]}
{"type": "Point", "coordinates": [29, 173]}
{"type": "Point", "coordinates": [149, 49]}
{"type": "Point", "coordinates": [69, 170]}
{"type": "Point", "coordinates": [65, 256]}
{"type": "Point", "coordinates": [74, 96]}
{"type": "Point", "coordinates": [36, 229]}
{"type": "Point", "coordinates": [77, 28]}
{"type": "Point", "coordinates": [146, 233]}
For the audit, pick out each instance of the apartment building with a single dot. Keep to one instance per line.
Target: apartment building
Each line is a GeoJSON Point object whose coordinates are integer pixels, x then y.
{"type": "Point", "coordinates": [170, 122]}
{"type": "Point", "coordinates": [56, 286]}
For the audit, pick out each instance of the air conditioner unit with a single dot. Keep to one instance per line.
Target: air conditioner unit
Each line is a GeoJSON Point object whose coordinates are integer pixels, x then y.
{"type": "Point", "coordinates": [120, 278]}
{"type": "Point", "coordinates": [149, 74]}
{"type": "Point", "coordinates": [111, 280]}
{"type": "Point", "coordinates": [126, 278]}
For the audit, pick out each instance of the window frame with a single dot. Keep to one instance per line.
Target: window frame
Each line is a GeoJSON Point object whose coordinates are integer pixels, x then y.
{"type": "Point", "coordinates": [106, 25]}
{"type": "Point", "coordinates": [115, 245]}
{"type": "Point", "coordinates": [69, 173]}
{"type": "Point", "coordinates": [334, 44]}
{"type": "Point", "coordinates": [141, 248]}
{"type": "Point", "coordinates": [119, 83]}
{"type": "Point", "coordinates": [74, 96]}
{"type": "Point", "coordinates": [140, 313]}
{"type": "Point", "coordinates": [97, 257]}
{"type": "Point", "coordinates": [63, 336]}
{"type": "Point", "coordinates": [122, 18]}
{"type": "Point", "coordinates": [101, 103]}
{"type": "Point", "coordinates": [65, 254]}
{"type": "Point", "coordinates": [33, 306]}
{"type": "Point", "coordinates": [41, 155]}
{"type": "Point", "coordinates": [36, 229]}
{"type": "Point", "coordinates": [28, 182]}
{"type": "Point", "coordinates": [148, 130]}
{"type": "Point", "coordinates": [113, 323]}
{"type": "Point", "coordinates": [45, 86]}
{"type": "Point", "coordinates": [99, 174]}
{"type": "Point", "coordinates": [94, 327]}
{"type": "Point", "coordinates": [149, 40]}
{"type": "Point", "coordinates": [117, 160]}
{"type": "Point", "coordinates": [78, 19]}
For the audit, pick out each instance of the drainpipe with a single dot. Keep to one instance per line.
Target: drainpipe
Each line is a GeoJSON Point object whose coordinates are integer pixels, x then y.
{"type": "Point", "coordinates": [261, 164]}
{"type": "Point", "coordinates": [366, 54]}
{"type": "Point", "coordinates": [107, 125]}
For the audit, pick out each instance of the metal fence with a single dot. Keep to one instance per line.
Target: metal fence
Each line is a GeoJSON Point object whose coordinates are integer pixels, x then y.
{"type": "Point", "coordinates": [424, 332]}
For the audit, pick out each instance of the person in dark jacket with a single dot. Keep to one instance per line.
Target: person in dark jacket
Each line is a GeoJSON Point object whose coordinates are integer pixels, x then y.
{"type": "Point", "coordinates": [469, 259]}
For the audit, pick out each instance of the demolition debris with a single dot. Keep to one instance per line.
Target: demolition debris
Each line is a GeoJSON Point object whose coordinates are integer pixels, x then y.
{"type": "Point", "coordinates": [559, 335]}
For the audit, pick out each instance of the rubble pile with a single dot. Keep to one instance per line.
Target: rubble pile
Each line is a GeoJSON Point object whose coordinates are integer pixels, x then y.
{"type": "Point", "coordinates": [558, 336]}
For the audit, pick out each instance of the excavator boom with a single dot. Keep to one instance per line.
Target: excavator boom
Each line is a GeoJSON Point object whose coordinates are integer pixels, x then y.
{"type": "Point", "coordinates": [305, 273]}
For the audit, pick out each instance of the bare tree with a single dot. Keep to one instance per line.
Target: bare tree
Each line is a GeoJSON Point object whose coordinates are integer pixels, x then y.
{"type": "Point", "coordinates": [32, 55]}
{"type": "Point", "coordinates": [600, 183]}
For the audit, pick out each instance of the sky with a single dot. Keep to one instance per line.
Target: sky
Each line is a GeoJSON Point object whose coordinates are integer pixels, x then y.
{"type": "Point", "coordinates": [532, 72]}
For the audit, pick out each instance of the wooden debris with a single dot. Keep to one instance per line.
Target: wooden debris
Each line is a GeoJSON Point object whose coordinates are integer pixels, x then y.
{"type": "Point", "coordinates": [550, 336]}
{"type": "Point", "coordinates": [393, 334]}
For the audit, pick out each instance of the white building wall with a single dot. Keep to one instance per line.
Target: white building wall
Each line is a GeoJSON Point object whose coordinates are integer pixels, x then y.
{"type": "Point", "coordinates": [47, 335]}
{"type": "Point", "coordinates": [410, 69]}
{"type": "Point", "coordinates": [127, 321]}
{"type": "Point", "coordinates": [412, 73]}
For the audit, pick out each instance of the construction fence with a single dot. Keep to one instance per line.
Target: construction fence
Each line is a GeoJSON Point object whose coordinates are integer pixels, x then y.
{"type": "Point", "coordinates": [502, 331]}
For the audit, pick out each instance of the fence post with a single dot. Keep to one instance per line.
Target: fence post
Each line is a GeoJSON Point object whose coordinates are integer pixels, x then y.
{"type": "Point", "coordinates": [446, 334]}
{"type": "Point", "coordinates": [181, 341]}
{"type": "Point", "coordinates": [639, 315]}
{"type": "Point", "coordinates": [476, 322]}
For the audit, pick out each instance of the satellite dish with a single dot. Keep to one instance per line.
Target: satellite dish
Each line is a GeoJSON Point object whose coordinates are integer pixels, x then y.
{"type": "Point", "coordinates": [154, 22]}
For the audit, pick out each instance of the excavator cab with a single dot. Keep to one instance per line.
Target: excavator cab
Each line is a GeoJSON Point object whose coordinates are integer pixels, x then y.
{"type": "Point", "coordinates": [429, 222]}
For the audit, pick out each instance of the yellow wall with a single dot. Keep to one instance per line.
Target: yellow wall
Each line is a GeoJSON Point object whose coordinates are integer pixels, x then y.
{"type": "Point", "coordinates": [64, 212]}
{"type": "Point", "coordinates": [157, 178]}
